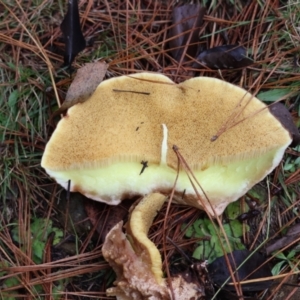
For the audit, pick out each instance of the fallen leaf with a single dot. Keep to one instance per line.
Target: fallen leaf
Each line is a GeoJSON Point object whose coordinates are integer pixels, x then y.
{"type": "Point", "coordinates": [253, 268]}
{"type": "Point", "coordinates": [282, 114]}
{"type": "Point", "coordinates": [135, 279]}
{"type": "Point", "coordinates": [84, 84]}
{"type": "Point", "coordinates": [187, 20]}
{"type": "Point", "coordinates": [223, 57]}
{"type": "Point", "coordinates": [292, 235]}
{"type": "Point", "coordinates": [70, 27]}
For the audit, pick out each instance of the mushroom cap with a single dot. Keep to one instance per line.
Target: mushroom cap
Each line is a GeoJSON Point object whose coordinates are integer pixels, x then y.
{"type": "Point", "coordinates": [100, 144]}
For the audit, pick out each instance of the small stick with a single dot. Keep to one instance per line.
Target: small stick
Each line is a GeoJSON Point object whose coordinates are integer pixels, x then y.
{"type": "Point", "coordinates": [127, 91]}
{"type": "Point", "coordinates": [145, 165]}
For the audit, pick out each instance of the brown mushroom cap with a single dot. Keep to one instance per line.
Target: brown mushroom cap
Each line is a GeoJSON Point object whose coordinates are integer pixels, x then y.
{"type": "Point", "coordinates": [100, 144]}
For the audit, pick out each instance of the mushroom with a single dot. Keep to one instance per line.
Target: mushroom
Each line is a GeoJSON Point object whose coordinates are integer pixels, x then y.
{"type": "Point", "coordinates": [137, 261]}
{"type": "Point", "coordinates": [119, 142]}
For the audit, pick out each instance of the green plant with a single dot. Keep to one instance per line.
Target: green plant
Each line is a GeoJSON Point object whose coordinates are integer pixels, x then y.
{"type": "Point", "coordinates": [211, 246]}
{"type": "Point", "coordinates": [39, 230]}
{"type": "Point", "coordinates": [290, 260]}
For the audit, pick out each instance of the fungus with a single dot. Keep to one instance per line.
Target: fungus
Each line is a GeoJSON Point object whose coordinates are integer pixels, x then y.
{"type": "Point", "coordinates": [137, 261]}
{"type": "Point", "coordinates": [101, 144]}
{"type": "Point", "coordinates": [139, 223]}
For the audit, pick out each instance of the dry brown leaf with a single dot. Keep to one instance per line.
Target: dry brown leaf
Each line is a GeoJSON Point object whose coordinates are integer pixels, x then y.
{"type": "Point", "coordinates": [84, 84]}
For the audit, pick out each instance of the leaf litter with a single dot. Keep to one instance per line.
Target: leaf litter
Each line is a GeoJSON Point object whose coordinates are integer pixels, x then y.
{"type": "Point", "coordinates": [235, 59]}
{"type": "Point", "coordinates": [83, 85]}
{"type": "Point", "coordinates": [186, 22]}
{"type": "Point", "coordinates": [223, 57]}
{"type": "Point", "coordinates": [118, 64]}
{"type": "Point", "coordinates": [70, 26]}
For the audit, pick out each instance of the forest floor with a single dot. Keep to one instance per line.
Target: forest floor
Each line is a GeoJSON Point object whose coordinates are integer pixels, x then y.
{"type": "Point", "coordinates": [130, 36]}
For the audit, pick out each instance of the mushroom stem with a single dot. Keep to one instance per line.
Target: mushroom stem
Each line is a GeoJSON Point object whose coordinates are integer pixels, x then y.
{"type": "Point", "coordinates": [140, 221]}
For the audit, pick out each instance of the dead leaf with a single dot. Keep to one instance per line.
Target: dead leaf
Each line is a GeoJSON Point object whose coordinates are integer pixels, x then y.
{"type": "Point", "coordinates": [84, 84]}
{"type": "Point", "coordinates": [282, 114]}
{"type": "Point", "coordinates": [253, 268]}
{"type": "Point", "coordinates": [71, 29]}
{"type": "Point", "coordinates": [187, 20]}
{"type": "Point", "coordinates": [292, 235]}
{"type": "Point", "coordinates": [223, 57]}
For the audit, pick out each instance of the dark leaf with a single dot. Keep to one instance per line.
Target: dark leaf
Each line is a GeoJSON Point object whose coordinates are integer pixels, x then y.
{"type": "Point", "coordinates": [292, 235]}
{"type": "Point", "coordinates": [70, 26]}
{"type": "Point", "coordinates": [282, 114]}
{"type": "Point", "coordinates": [187, 20]}
{"type": "Point", "coordinates": [219, 272]}
{"type": "Point", "coordinates": [248, 215]}
{"type": "Point", "coordinates": [223, 57]}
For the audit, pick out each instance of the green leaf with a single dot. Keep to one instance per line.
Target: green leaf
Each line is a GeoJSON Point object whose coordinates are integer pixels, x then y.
{"type": "Point", "coordinates": [281, 256]}
{"type": "Point", "coordinates": [274, 94]}
{"type": "Point", "coordinates": [13, 99]}
{"type": "Point", "coordinates": [216, 246]}
{"type": "Point", "coordinates": [211, 228]}
{"type": "Point", "coordinates": [58, 235]}
{"type": "Point", "coordinates": [277, 268]}
{"type": "Point", "coordinates": [58, 289]}
{"type": "Point", "coordinates": [297, 161]}
{"type": "Point", "coordinates": [38, 249]}
{"type": "Point", "coordinates": [288, 167]}
{"type": "Point", "coordinates": [236, 228]}
{"type": "Point", "coordinates": [198, 253]}
{"type": "Point", "coordinates": [233, 210]}
{"type": "Point", "coordinates": [291, 254]}
{"type": "Point", "coordinates": [227, 230]}
{"type": "Point", "coordinates": [258, 192]}
{"type": "Point", "coordinates": [190, 231]}
{"type": "Point", "coordinates": [199, 228]}
{"type": "Point", "coordinates": [9, 282]}
{"type": "Point", "coordinates": [39, 229]}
